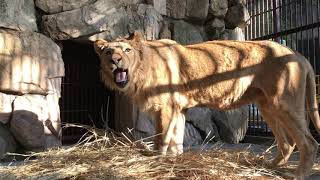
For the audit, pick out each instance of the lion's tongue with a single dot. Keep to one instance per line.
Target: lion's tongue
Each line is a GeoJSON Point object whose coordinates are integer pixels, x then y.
{"type": "Point", "coordinates": [121, 76]}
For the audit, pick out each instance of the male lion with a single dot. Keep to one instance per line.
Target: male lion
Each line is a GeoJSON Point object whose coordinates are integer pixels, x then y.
{"type": "Point", "coordinates": [165, 78]}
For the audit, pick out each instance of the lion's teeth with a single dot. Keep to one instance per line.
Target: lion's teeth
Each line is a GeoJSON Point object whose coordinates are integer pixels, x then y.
{"type": "Point", "coordinates": [121, 76]}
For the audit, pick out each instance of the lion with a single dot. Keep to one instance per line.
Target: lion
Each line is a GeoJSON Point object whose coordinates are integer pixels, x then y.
{"type": "Point", "coordinates": [165, 78]}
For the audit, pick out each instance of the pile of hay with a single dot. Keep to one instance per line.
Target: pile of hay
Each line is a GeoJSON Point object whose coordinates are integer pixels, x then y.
{"type": "Point", "coordinates": [106, 156]}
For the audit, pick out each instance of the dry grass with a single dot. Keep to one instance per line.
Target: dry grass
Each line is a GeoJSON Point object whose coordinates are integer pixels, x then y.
{"type": "Point", "coordinates": [107, 156]}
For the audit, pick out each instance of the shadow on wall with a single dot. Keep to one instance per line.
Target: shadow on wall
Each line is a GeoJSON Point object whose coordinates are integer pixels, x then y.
{"type": "Point", "coordinates": [29, 63]}
{"type": "Point", "coordinates": [31, 68]}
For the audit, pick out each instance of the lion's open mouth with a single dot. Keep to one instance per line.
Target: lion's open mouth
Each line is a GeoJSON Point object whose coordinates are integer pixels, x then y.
{"type": "Point", "coordinates": [121, 77]}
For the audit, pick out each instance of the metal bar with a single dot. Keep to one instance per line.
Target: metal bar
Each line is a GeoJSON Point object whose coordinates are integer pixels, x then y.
{"type": "Point", "coordinates": [254, 21]}
{"type": "Point", "coordinates": [276, 18]}
{"type": "Point", "coordinates": [289, 31]}
{"type": "Point", "coordinates": [251, 24]}
{"type": "Point", "coordinates": [258, 18]}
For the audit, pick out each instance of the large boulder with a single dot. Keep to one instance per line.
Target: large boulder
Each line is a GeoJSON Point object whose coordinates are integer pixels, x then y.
{"type": "Point", "coordinates": [232, 124]}
{"type": "Point", "coordinates": [18, 15]}
{"type": "Point", "coordinates": [235, 2]}
{"type": "Point", "coordinates": [57, 6]}
{"type": "Point", "coordinates": [7, 141]}
{"type": "Point", "coordinates": [176, 9]}
{"type": "Point", "coordinates": [233, 34]}
{"type": "Point", "coordinates": [29, 63]}
{"type": "Point", "coordinates": [198, 128]}
{"type": "Point", "coordinates": [105, 19]}
{"type": "Point", "coordinates": [53, 7]}
{"type": "Point", "coordinates": [237, 16]}
{"type": "Point", "coordinates": [218, 8]}
{"type": "Point", "coordinates": [35, 121]}
{"type": "Point", "coordinates": [186, 33]}
{"type": "Point", "coordinates": [215, 28]}
{"type": "Point", "coordinates": [197, 9]}
{"type": "Point", "coordinates": [201, 119]}
{"type": "Point", "coordinates": [159, 5]}
{"type": "Point", "coordinates": [31, 70]}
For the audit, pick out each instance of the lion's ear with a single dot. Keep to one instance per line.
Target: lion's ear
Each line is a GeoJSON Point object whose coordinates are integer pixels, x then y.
{"type": "Point", "coordinates": [99, 45]}
{"type": "Point", "coordinates": [136, 36]}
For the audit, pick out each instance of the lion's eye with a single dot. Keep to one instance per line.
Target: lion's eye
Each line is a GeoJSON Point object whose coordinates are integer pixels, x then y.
{"type": "Point", "coordinates": [108, 53]}
{"type": "Point", "coordinates": [127, 50]}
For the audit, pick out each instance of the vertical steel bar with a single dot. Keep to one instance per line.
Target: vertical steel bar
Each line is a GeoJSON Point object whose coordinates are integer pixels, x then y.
{"type": "Point", "coordinates": [263, 18]}
{"type": "Point", "coordinates": [276, 18]}
{"type": "Point", "coordinates": [301, 34]}
{"type": "Point", "coordinates": [251, 18]}
{"type": "Point", "coordinates": [255, 19]}
{"type": "Point", "coordinates": [259, 18]}
{"type": "Point", "coordinates": [267, 16]}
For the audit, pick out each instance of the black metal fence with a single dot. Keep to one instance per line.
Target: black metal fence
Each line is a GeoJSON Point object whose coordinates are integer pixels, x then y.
{"type": "Point", "coordinates": [294, 23]}
{"type": "Point", "coordinates": [84, 98]}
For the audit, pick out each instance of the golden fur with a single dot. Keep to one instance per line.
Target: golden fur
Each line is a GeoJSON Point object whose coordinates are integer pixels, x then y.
{"type": "Point", "coordinates": [165, 78]}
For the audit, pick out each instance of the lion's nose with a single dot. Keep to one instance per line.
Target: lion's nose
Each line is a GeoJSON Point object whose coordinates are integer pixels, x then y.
{"type": "Point", "coordinates": [116, 58]}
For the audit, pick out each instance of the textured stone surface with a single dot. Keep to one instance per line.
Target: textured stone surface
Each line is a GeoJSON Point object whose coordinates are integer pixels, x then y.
{"type": "Point", "coordinates": [176, 9]}
{"type": "Point", "coordinates": [235, 2]}
{"type": "Point", "coordinates": [35, 121]}
{"type": "Point", "coordinates": [28, 63]}
{"type": "Point", "coordinates": [56, 6]}
{"type": "Point", "coordinates": [165, 32]}
{"type": "Point", "coordinates": [232, 124]}
{"type": "Point", "coordinates": [18, 14]}
{"type": "Point", "coordinates": [234, 34]}
{"type": "Point", "coordinates": [7, 141]}
{"type": "Point", "coordinates": [186, 33]}
{"type": "Point", "coordinates": [215, 28]}
{"type": "Point", "coordinates": [105, 19]}
{"type": "Point", "coordinates": [192, 136]}
{"type": "Point", "coordinates": [159, 5]}
{"type": "Point", "coordinates": [218, 8]}
{"type": "Point", "coordinates": [201, 118]}
{"type": "Point", "coordinates": [27, 130]}
{"type": "Point", "coordinates": [237, 16]}
{"type": "Point", "coordinates": [197, 9]}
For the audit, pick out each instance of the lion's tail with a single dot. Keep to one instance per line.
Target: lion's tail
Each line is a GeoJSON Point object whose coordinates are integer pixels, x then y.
{"type": "Point", "coordinates": [311, 99]}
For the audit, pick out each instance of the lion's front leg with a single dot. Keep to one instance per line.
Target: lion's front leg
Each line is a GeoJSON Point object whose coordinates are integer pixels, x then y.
{"type": "Point", "coordinates": [170, 127]}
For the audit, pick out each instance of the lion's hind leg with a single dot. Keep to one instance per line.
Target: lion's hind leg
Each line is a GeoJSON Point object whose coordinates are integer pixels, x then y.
{"type": "Point", "coordinates": [285, 144]}
{"type": "Point", "coordinates": [297, 126]}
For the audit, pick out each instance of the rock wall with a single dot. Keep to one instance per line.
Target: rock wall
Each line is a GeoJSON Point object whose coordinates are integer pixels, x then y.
{"type": "Point", "coordinates": [31, 63]}
{"type": "Point", "coordinates": [31, 68]}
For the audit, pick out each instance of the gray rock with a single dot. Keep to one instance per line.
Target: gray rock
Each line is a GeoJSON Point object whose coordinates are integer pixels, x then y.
{"type": "Point", "coordinates": [197, 9]}
{"type": "Point", "coordinates": [192, 137]}
{"type": "Point", "coordinates": [104, 19]}
{"type": "Point", "coordinates": [201, 118]}
{"type": "Point", "coordinates": [237, 16]}
{"type": "Point", "coordinates": [235, 2]}
{"type": "Point", "coordinates": [215, 28]}
{"type": "Point", "coordinates": [27, 130]}
{"type": "Point", "coordinates": [234, 34]}
{"type": "Point", "coordinates": [7, 141]}
{"type": "Point", "coordinates": [159, 5]}
{"type": "Point", "coordinates": [144, 126]}
{"type": "Point", "coordinates": [176, 9]}
{"type": "Point", "coordinates": [18, 15]}
{"type": "Point", "coordinates": [186, 33]}
{"type": "Point", "coordinates": [36, 121]}
{"type": "Point", "coordinates": [29, 62]}
{"type": "Point", "coordinates": [57, 6]}
{"type": "Point", "coordinates": [218, 8]}
{"type": "Point", "coordinates": [165, 32]}
{"type": "Point", "coordinates": [232, 124]}
{"type": "Point", "coordinates": [52, 7]}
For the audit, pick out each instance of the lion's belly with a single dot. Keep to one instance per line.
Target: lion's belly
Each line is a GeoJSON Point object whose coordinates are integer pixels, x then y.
{"type": "Point", "coordinates": [222, 95]}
